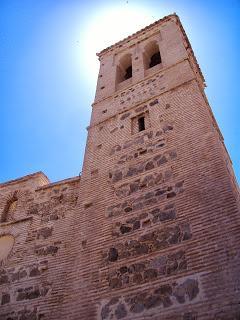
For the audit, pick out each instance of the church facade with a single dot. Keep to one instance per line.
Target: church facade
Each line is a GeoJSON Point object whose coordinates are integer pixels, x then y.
{"type": "Point", "coordinates": [151, 228]}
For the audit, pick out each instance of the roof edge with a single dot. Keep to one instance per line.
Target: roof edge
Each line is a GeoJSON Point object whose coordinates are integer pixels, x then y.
{"type": "Point", "coordinates": [24, 178]}
{"type": "Point", "coordinates": [189, 46]}
{"type": "Point", "coordinates": [68, 180]}
{"type": "Point", "coordinates": [166, 18]}
{"type": "Point", "coordinates": [138, 32]}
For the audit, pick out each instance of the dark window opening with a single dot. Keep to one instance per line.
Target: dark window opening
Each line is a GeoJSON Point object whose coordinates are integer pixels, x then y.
{"type": "Point", "coordinates": [128, 73]}
{"type": "Point", "coordinates": [141, 124]}
{"type": "Point", "coordinates": [155, 59]}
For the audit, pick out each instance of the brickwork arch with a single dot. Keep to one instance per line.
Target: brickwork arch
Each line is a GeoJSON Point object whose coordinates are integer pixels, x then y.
{"type": "Point", "coordinates": [9, 206]}
{"type": "Point", "coordinates": [151, 55]}
{"type": "Point", "coordinates": [124, 68]}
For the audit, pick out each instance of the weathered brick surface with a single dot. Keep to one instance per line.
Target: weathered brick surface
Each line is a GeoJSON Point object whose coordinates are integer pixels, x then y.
{"type": "Point", "coordinates": [151, 231]}
{"type": "Point", "coordinates": [34, 272]}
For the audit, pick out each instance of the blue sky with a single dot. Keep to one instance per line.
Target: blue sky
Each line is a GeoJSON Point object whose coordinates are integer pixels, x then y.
{"type": "Point", "coordinates": [48, 72]}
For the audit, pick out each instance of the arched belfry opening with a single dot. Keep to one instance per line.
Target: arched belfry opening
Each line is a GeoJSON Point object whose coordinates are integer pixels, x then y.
{"type": "Point", "coordinates": [152, 56]}
{"type": "Point", "coordinates": [124, 68]}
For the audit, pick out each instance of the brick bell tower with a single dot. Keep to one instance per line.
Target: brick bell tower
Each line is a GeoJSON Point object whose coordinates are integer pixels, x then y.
{"type": "Point", "coordinates": [159, 220]}
{"type": "Point", "coordinates": [151, 230]}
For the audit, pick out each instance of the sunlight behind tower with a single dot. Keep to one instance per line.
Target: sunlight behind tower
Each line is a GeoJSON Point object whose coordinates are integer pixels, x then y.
{"type": "Point", "coordinates": [110, 25]}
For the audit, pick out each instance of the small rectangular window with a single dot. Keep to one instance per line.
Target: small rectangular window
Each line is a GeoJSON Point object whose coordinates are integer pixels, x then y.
{"type": "Point", "coordinates": [141, 124]}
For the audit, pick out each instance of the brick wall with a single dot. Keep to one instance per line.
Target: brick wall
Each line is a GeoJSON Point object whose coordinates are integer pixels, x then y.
{"type": "Point", "coordinates": [32, 277]}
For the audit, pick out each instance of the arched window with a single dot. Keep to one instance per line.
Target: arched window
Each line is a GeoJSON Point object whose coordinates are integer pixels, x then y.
{"type": "Point", "coordinates": [124, 68]}
{"type": "Point", "coordinates": [152, 56]}
{"type": "Point", "coordinates": [9, 208]}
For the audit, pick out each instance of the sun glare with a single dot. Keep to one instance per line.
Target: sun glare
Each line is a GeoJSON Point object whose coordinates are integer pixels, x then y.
{"type": "Point", "coordinates": [109, 26]}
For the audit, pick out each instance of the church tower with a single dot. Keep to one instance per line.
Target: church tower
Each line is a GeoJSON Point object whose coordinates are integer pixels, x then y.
{"type": "Point", "coordinates": [151, 229]}
{"type": "Point", "coordinates": [160, 220]}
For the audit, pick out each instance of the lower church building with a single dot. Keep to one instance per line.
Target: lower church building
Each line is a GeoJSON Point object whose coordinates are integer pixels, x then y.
{"type": "Point", "coordinates": [151, 229]}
